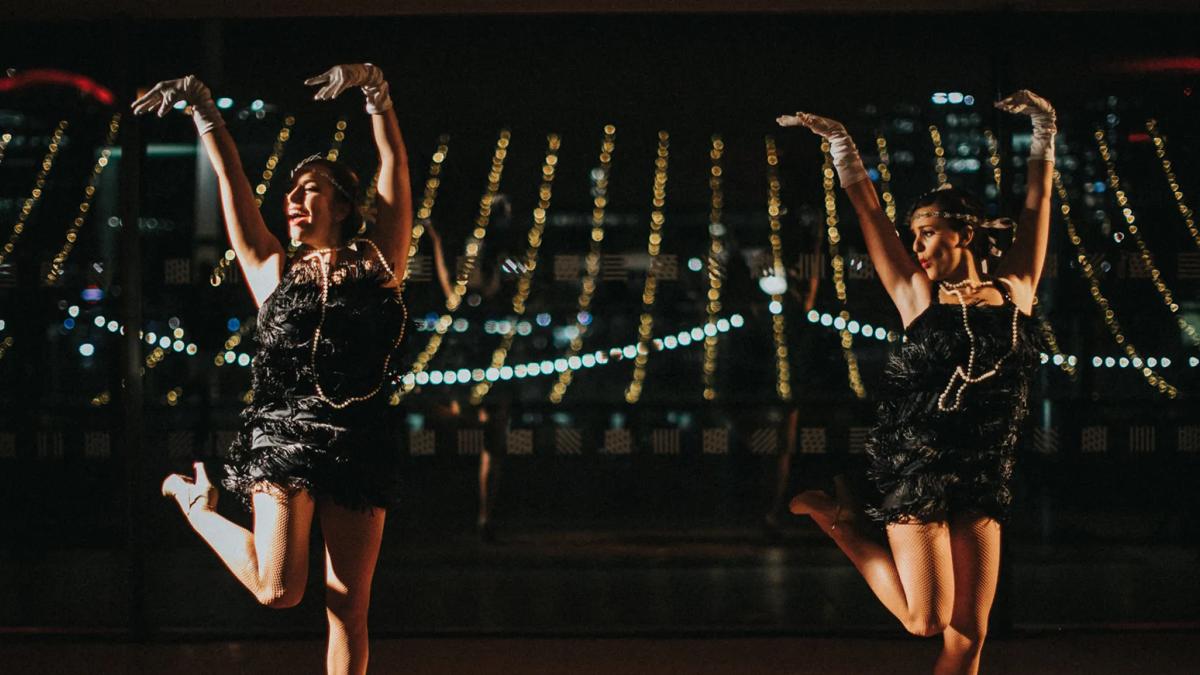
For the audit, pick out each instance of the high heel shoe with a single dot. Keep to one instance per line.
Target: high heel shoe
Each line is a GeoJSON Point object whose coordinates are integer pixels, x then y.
{"type": "Point", "coordinates": [847, 504]}
{"type": "Point", "coordinates": [191, 493]}
{"type": "Point", "coordinates": [818, 503]}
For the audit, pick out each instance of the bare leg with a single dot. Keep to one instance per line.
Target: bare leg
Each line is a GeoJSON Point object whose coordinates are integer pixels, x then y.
{"type": "Point", "coordinates": [783, 469]}
{"type": "Point", "coordinates": [272, 561]}
{"type": "Point", "coordinates": [491, 462]}
{"type": "Point", "coordinates": [487, 494]}
{"type": "Point", "coordinates": [975, 542]}
{"type": "Point", "coordinates": [913, 576]}
{"type": "Point", "coordinates": [352, 540]}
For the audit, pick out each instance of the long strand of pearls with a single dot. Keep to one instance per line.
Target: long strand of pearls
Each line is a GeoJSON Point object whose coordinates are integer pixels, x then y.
{"type": "Point", "coordinates": [323, 262]}
{"type": "Point", "coordinates": [967, 376]}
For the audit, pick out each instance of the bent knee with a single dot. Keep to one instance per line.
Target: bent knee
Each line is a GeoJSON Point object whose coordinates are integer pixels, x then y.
{"type": "Point", "coordinates": [280, 598]}
{"type": "Point", "coordinates": [966, 638]}
{"type": "Point", "coordinates": [350, 609]}
{"type": "Point", "coordinates": [926, 625]}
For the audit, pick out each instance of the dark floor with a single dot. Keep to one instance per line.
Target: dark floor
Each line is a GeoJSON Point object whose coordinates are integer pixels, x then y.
{"type": "Point", "coordinates": [1065, 654]}
{"type": "Point", "coordinates": [615, 582]}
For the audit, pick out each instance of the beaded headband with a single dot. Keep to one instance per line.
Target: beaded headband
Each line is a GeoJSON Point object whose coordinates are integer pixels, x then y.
{"type": "Point", "coordinates": [993, 224]}
{"type": "Point", "coordinates": [318, 157]}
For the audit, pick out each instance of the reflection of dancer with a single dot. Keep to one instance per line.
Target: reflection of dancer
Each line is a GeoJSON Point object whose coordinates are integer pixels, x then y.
{"type": "Point", "coordinates": [954, 395]}
{"type": "Point", "coordinates": [806, 297]}
{"type": "Point", "coordinates": [315, 440]}
{"type": "Point", "coordinates": [493, 415]}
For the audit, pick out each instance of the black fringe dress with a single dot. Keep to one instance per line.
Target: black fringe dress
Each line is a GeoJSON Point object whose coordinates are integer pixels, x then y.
{"type": "Point", "coordinates": [930, 464]}
{"type": "Point", "coordinates": [290, 436]}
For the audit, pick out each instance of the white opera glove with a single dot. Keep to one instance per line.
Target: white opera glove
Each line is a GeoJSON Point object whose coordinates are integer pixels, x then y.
{"type": "Point", "coordinates": [364, 75]}
{"type": "Point", "coordinates": [164, 95]}
{"type": "Point", "coordinates": [1025, 102]}
{"type": "Point", "coordinates": [849, 165]}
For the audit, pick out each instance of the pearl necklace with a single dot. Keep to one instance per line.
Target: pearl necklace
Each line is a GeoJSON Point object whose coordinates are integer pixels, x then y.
{"type": "Point", "coordinates": [320, 255]}
{"type": "Point", "coordinates": [967, 376]}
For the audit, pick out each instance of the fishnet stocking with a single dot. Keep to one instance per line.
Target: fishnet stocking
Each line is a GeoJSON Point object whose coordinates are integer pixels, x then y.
{"type": "Point", "coordinates": [935, 577]}
{"type": "Point", "coordinates": [272, 561]}
{"type": "Point", "coordinates": [352, 541]}
{"type": "Point", "coordinates": [975, 542]}
{"type": "Point", "coordinates": [912, 575]}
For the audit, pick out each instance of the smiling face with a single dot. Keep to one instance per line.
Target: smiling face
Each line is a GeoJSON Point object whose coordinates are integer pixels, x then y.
{"type": "Point", "coordinates": [314, 210]}
{"type": "Point", "coordinates": [942, 248]}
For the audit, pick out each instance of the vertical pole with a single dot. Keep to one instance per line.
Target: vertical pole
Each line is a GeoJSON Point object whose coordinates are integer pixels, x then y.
{"type": "Point", "coordinates": [131, 449]}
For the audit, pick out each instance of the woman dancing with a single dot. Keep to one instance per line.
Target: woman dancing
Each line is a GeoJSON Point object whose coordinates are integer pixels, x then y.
{"type": "Point", "coordinates": [316, 439]}
{"type": "Point", "coordinates": [952, 398]}
{"type": "Point", "coordinates": [492, 416]}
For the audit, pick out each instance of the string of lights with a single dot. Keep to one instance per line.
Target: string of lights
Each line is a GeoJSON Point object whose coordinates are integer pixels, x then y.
{"type": "Point", "coordinates": [1110, 318]}
{"type": "Point", "coordinates": [221, 269]}
{"type": "Point", "coordinates": [716, 274]}
{"type": "Point", "coordinates": [885, 177]}
{"type": "Point", "coordinates": [4, 140]}
{"type": "Point", "coordinates": [428, 199]}
{"type": "Point", "coordinates": [60, 258]}
{"type": "Point", "coordinates": [1160, 149]}
{"type": "Point", "coordinates": [35, 195]}
{"type": "Point", "coordinates": [1066, 365]}
{"type": "Point", "coordinates": [268, 172]}
{"type": "Point", "coordinates": [339, 136]}
{"type": "Point", "coordinates": [525, 282]}
{"type": "Point", "coordinates": [473, 247]}
{"type": "Point", "coordinates": [843, 321]}
{"type": "Point", "coordinates": [1156, 276]}
{"type": "Point", "coordinates": [592, 262]}
{"type": "Point", "coordinates": [939, 155]}
{"type": "Point", "coordinates": [837, 323]}
{"type": "Point", "coordinates": [834, 238]}
{"type": "Point", "coordinates": [560, 365]}
{"type": "Point", "coordinates": [783, 367]}
{"type": "Point", "coordinates": [653, 246]}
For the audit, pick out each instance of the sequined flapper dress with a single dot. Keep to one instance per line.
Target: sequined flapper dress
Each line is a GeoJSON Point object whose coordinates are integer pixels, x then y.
{"type": "Point", "coordinates": [292, 435]}
{"type": "Point", "coordinates": [930, 463]}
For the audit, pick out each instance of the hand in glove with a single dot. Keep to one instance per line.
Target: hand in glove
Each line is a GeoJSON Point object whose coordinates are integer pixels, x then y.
{"type": "Point", "coordinates": [340, 78]}
{"type": "Point", "coordinates": [164, 95]}
{"type": "Point", "coordinates": [841, 147]}
{"type": "Point", "coordinates": [1025, 102]}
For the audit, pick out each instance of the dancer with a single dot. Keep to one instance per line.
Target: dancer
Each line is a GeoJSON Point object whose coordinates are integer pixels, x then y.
{"type": "Point", "coordinates": [316, 439]}
{"type": "Point", "coordinates": [952, 399]}
{"type": "Point", "coordinates": [486, 282]}
{"type": "Point", "coordinates": [801, 338]}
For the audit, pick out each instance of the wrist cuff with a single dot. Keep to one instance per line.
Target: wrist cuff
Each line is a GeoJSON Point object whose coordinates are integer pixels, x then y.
{"type": "Point", "coordinates": [379, 99]}
{"type": "Point", "coordinates": [846, 160]}
{"type": "Point", "coordinates": [206, 117]}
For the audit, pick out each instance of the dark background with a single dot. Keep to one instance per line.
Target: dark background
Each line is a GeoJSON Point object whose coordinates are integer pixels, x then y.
{"type": "Point", "coordinates": [593, 544]}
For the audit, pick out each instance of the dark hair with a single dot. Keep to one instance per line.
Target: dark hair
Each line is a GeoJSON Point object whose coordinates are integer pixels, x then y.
{"type": "Point", "coordinates": [345, 189]}
{"type": "Point", "coordinates": [970, 212]}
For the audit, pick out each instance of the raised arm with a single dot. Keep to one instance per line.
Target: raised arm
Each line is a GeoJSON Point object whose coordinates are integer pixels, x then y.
{"type": "Point", "coordinates": [439, 260]}
{"type": "Point", "coordinates": [904, 281]}
{"type": "Point", "coordinates": [394, 213]}
{"type": "Point", "coordinates": [258, 252]}
{"type": "Point", "coordinates": [1022, 264]}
